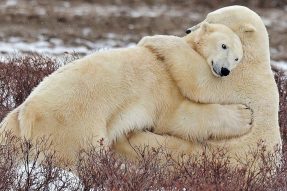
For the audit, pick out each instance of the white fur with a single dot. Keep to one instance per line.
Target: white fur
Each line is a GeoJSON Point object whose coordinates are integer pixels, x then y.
{"type": "Point", "coordinates": [101, 97]}
{"type": "Point", "coordinates": [134, 118]}
{"type": "Point", "coordinates": [251, 83]}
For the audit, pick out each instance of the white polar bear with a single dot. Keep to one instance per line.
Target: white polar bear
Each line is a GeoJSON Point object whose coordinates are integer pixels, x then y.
{"type": "Point", "coordinates": [251, 83]}
{"type": "Point", "coordinates": [103, 96]}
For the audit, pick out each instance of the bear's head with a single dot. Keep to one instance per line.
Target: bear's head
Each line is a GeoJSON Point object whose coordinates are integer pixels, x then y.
{"type": "Point", "coordinates": [248, 26]}
{"type": "Point", "coordinates": [219, 45]}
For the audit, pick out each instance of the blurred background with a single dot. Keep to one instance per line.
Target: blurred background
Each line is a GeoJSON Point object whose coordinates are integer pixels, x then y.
{"type": "Point", "coordinates": [58, 27]}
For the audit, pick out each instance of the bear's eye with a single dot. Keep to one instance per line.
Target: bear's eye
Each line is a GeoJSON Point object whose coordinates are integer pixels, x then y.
{"type": "Point", "coordinates": [224, 46]}
{"type": "Point", "coordinates": [236, 59]}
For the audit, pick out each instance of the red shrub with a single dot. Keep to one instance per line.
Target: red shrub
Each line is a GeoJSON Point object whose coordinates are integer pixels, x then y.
{"type": "Point", "coordinates": [19, 75]}
{"type": "Point", "coordinates": [22, 168]}
{"type": "Point", "coordinates": [281, 80]}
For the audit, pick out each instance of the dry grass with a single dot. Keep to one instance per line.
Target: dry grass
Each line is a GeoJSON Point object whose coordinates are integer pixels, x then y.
{"type": "Point", "coordinates": [29, 167]}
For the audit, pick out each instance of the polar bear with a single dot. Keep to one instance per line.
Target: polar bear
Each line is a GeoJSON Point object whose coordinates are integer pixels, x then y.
{"type": "Point", "coordinates": [101, 97]}
{"type": "Point", "coordinates": [251, 83]}
{"type": "Point", "coordinates": [223, 53]}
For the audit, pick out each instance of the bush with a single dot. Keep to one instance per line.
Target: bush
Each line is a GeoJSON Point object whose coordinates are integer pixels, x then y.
{"type": "Point", "coordinates": [281, 80]}
{"type": "Point", "coordinates": [24, 166]}
{"type": "Point", "coordinates": [35, 169]}
{"type": "Point", "coordinates": [18, 77]}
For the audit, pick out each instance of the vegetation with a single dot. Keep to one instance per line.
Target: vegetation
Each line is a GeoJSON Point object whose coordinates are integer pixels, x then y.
{"type": "Point", "coordinates": [24, 166]}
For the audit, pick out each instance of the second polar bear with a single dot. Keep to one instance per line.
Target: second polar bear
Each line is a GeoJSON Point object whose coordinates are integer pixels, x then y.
{"type": "Point", "coordinates": [251, 83]}
{"type": "Point", "coordinates": [101, 97]}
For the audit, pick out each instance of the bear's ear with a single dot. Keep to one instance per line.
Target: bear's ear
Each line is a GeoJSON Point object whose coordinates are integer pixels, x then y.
{"type": "Point", "coordinates": [205, 27]}
{"type": "Point", "coordinates": [248, 28]}
{"type": "Point", "coordinates": [191, 29]}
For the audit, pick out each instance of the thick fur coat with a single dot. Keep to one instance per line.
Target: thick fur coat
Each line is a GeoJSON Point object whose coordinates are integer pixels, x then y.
{"type": "Point", "coordinates": [100, 98]}
{"type": "Point", "coordinates": [251, 83]}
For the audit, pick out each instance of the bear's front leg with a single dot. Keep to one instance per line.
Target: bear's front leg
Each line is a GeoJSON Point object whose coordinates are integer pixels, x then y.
{"type": "Point", "coordinates": [199, 122]}
{"type": "Point", "coordinates": [187, 68]}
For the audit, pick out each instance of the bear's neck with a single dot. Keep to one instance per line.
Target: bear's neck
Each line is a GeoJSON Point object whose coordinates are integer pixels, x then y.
{"type": "Point", "coordinates": [191, 40]}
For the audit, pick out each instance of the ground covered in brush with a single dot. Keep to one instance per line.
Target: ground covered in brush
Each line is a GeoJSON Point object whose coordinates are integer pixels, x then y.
{"type": "Point", "coordinates": [106, 171]}
{"type": "Point", "coordinates": [58, 26]}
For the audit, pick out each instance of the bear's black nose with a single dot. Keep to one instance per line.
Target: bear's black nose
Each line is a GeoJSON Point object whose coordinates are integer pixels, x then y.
{"type": "Point", "coordinates": [224, 71]}
{"type": "Point", "coordinates": [188, 31]}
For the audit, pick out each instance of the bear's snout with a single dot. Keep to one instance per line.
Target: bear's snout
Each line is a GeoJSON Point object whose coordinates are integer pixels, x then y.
{"type": "Point", "coordinates": [224, 71]}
